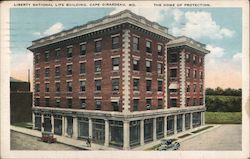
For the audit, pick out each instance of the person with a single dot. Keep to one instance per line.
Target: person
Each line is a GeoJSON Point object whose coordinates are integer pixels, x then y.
{"type": "Point", "coordinates": [88, 142]}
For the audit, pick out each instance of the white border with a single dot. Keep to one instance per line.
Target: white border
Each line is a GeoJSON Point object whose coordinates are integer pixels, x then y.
{"type": "Point", "coordinates": [5, 109]}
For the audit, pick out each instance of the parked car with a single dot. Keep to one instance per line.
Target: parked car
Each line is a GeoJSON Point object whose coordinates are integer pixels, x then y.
{"type": "Point", "coordinates": [168, 145]}
{"type": "Point", "coordinates": [48, 137]}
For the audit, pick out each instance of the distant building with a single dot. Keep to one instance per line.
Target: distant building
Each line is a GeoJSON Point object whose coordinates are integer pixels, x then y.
{"type": "Point", "coordinates": [123, 80]}
{"type": "Point", "coordinates": [20, 101]}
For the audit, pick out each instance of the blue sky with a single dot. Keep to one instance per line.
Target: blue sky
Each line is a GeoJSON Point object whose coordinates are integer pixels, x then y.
{"type": "Point", "coordinates": [219, 28]}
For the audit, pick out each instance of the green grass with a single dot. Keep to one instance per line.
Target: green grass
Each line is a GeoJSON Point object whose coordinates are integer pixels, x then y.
{"type": "Point", "coordinates": [223, 118]}
{"type": "Point", "coordinates": [224, 98]}
{"type": "Point", "coordinates": [183, 136]}
{"type": "Point", "coordinates": [23, 124]}
{"type": "Point", "coordinates": [202, 129]}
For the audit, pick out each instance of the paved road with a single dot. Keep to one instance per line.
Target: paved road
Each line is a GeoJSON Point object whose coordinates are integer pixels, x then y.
{"type": "Point", "coordinates": [225, 137]}
{"type": "Point", "coordinates": [21, 141]}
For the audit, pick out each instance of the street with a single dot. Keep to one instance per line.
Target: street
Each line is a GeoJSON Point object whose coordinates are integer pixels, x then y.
{"type": "Point", "coordinates": [21, 141]}
{"type": "Point", "coordinates": [225, 137]}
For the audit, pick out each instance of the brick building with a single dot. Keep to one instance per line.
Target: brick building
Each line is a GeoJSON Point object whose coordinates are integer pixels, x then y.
{"type": "Point", "coordinates": [20, 101]}
{"type": "Point", "coordinates": [122, 79]}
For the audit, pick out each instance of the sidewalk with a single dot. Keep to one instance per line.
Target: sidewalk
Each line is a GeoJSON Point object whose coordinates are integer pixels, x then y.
{"type": "Point", "coordinates": [191, 135]}
{"type": "Point", "coordinates": [81, 144]}
{"type": "Point", "coordinates": [62, 139]}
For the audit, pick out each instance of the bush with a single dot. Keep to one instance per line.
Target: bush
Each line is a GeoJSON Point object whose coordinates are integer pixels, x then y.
{"type": "Point", "coordinates": [215, 103]}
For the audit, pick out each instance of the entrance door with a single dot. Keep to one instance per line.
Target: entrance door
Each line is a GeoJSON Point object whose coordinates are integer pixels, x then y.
{"type": "Point", "coordinates": [99, 136]}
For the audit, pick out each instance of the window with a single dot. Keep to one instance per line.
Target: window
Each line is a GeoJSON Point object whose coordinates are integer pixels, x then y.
{"type": "Point", "coordinates": [173, 73]}
{"type": "Point", "coordinates": [47, 102]}
{"type": "Point", "coordinates": [58, 102]}
{"type": "Point", "coordinates": [173, 58]}
{"type": "Point", "coordinates": [194, 87]}
{"type": "Point", "coordinates": [188, 101]}
{"type": "Point", "coordinates": [188, 57]}
{"type": "Point", "coordinates": [69, 51]}
{"type": "Point", "coordinates": [98, 46]}
{"type": "Point", "coordinates": [46, 56]}
{"type": "Point", "coordinates": [148, 66]}
{"type": "Point", "coordinates": [46, 87]}
{"type": "Point", "coordinates": [194, 102]}
{"type": "Point", "coordinates": [37, 101]}
{"type": "Point", "coordinates": [201, 75]}
{"type": "Point", "coordinates": [57, 54]}
{"type": "Point", "coordinates": [98, 66]}
{"type": "Point", "coordinates": [98, 104]}
{"type": "Point", "coordinates": [82, 86]}
{"type": "Point", "coordinates": [136, 65]}
{"type": "Point", "coordinates": [136, 104]}
{"type": "Point", "coordinates": [188, 73]}
{"type": "Point", "coordinates": [82, 49]}
{"type": "Point", "coordinates": [82, 103]}
{"type": "Point", "coordinates": [188, 88]}
{"type": "Point", "coordinates": [201, 60]}
{"type": "Point", "coordinates": [69, 86]}
{"type": "Point", "coordinates": [160, 103]}
{"type": "Point", "coordinates": [37, 56]}
{"type": "Point", "coordinates": [159, 49]}
{"type": "Point", "coordinates": [159, 86]}
{"type": "Point", "coordinates": [135, 43]}
{"type": "Point", "coordinates": [115, 106]}
{"type": "Point", "coordinates": [115, 42]}
{"type": "Point", "coordinates": [82, 68]}
{"type": "Point", "coordinates": [159, 68]}
{"type": "Point", "coordinates": [148, 46]}
{"type": "Point", "coordinates": [194, 59]}
{"type": "Point", "coordinates": [115, 84]}
{"type": "Point", "coordinates": [69, 70]}
{"type": "Point", "coordinates": [136, 84]}
{"type": "Point", "coordinates": [98, 85]}
{"type": "Point", "coordinates": [37, 88]}
{"type": "Point", "coordinates": [37, 74]}
{"type": "Point", "coordinates": [148, 85]}
{"type": "Point", "coordinates": [69, 103]}
{"type": "Point", "coordinates": [201, 101]}
{"type": "Point", "coordinates": [46, 72]}
{"type": "Point", "coordinates": [148, 104]}
{"type": "Point", "coordinates": [173, 102]}
{"type": "Point", "coordinates": [201, 88]}
{"type": "Point", "coordinates": [195, 74]}
{"type": "Point", "coordinates": [57, 71]}
{"type": "Point", "coordinates": [57, 87]}
{"type": "Point", "coordinates": [115, 64]}
{"type": "Point", "coordinates": [172, 90]}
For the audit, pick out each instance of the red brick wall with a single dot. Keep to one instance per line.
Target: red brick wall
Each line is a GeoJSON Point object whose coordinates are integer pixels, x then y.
{"type": "Point", "coordinates": [142, 73]}
{"type": "Point", "coordinates": [90, 75]}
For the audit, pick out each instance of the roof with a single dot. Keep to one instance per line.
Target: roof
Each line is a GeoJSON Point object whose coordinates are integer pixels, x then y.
{"type": "Point", "coordinates": [12, 79]}
{"type": "Point", "coordinates": [125, 16]}
{"type": "Point", "coordinates": [183, 40]}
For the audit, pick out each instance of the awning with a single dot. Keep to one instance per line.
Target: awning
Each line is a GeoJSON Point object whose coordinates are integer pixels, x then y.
{"type": "Point", "coordinates": [173, 86]}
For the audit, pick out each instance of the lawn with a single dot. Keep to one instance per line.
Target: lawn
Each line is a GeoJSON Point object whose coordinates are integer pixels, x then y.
{"type": "Point", "coordinates": [223, 118]}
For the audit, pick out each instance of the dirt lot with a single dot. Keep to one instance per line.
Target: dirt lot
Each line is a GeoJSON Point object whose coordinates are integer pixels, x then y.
{"type": "Point", "coordinates": [21, 141]}
{"type": "Point", "coordinates": [225, 137]}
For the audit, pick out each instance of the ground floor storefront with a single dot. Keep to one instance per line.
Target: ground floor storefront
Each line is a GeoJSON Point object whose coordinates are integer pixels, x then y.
{"type": "Point", "coordinates": [119, 133]}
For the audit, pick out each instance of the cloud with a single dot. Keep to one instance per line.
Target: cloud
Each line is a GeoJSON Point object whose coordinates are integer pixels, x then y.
{"type": "Point", "coordinates": [150, 13]}
{"type": "Point", "coordinates": [20, 64]}
{"type": "Point", "coordinates": [200, 24]}
{"type": "Point", "coordinates": [215, 51]}
{"type": "Point", "coordinates": [55, 28]}
{"type": "Point", "coordinates": [237, 57]}
{"type": "Point", "coordinates": [221, 71]}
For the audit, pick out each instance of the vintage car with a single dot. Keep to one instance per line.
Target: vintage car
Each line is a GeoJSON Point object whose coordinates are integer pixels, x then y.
{"type": "Point", "coordinates": [168, 145]}
{"type": "Point", "coordinates": [48, 137]}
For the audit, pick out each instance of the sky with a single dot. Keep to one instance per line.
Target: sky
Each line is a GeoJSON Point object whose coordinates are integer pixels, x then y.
{"type": "Point", "coordinates": [219, 28]}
